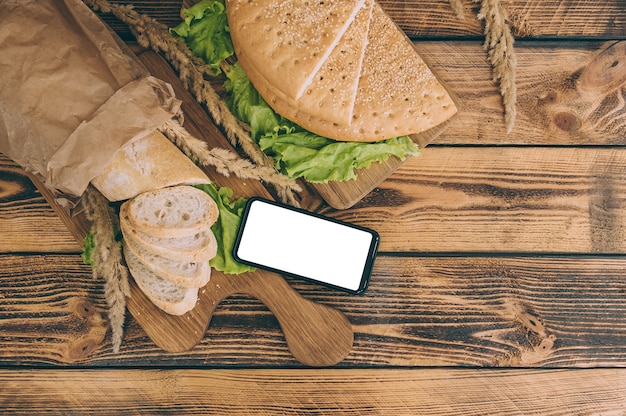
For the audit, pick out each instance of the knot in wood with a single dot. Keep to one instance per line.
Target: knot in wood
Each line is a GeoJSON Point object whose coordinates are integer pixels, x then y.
{"type": "Point", "coordinates": [566, 121]}
{"type": "Point", "coordinates": [550, 97]}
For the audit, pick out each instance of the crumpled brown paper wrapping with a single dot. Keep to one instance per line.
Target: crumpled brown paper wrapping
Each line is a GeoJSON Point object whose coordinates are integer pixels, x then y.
{"type": "Point", "coordinates": [71, 95]}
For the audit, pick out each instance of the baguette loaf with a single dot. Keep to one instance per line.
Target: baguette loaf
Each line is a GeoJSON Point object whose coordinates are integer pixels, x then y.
{"type": "Point", "coordinates": [172, 299]}
{"type": "Point", "coordinates": [151, 162]}
{"type": "Point", "coordinates": [177, 211]}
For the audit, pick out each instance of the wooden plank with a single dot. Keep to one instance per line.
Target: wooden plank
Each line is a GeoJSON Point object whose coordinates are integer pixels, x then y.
{"type": "Point", "coordinates": [554, 105]}
{"type": "Point", "coordinates": [569, 93]}
{"type": "Point", "coordinates": [530, 18]}
{"type": "Point", "coordinates": [27, 222]}
{"type": "Point", "coordinates": [450, 199]}
{"type": "Point", "coordinates": [491, 312]}
{"type": "Point", "coordinates": [501, 199]}
{"type": "Point", "coordinates": [50, 307]}
{"type": "Point", "coordinates": [347, 392]}
{"type": "Point", "coordinates": [435, 18]}
{"type": "Point", "coordinates": [423, 311]}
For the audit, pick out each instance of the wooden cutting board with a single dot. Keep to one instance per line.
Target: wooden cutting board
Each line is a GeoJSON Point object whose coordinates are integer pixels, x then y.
{"type": "Point", "coordinates": [343, 195]}
{"type": "Point", "coordinates": [317, 335]}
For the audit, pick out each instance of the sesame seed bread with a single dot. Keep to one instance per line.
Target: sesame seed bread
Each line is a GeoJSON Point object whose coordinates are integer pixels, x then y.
{"type": "Point", "coordinates": [176, 211]}
{"type": "Point", "coordinates": [289, 40]}
{"type": "Point", "coordinates": [184, 274]}
{"type": "Point", "coordinates": [171, 298]}
{"type": "Point", "coordinates": [397, 92]}
{"type": "Point", "coordinates": [332, 91]}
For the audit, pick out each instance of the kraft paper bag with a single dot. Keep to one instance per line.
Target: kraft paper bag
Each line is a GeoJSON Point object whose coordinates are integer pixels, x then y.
{"type": "Point", "coordinates": [71, 94]}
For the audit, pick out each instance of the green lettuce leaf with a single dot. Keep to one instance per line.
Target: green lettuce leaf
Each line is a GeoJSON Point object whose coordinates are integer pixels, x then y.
{"type": "Point", "coordinates": [205, 31]}
{"type": "Point", "coordinates": [296, 152]}
{"type": "Point", "coordinates": [247, 105]}
{"type": "Point", "coordinates": [226, 228]}
{"type": "Point", "coordinates": [318, 160]}
{"type": "Point", "coordinates": [89, 247]}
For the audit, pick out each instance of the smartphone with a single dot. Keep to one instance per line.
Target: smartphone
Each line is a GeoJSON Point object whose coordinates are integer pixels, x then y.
{"type": "Point", "coordinates": [299, 243]}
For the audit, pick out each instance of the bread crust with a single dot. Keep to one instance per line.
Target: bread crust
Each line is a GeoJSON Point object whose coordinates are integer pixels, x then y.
{"type": "Point", "coordinates": [289, 40]}
{"type": "Point", "coordinates": [167, 212]}
{"type": "Point", "coordinates": [148, 163]}
{"type": "Point", "coordinates": [146, 280]}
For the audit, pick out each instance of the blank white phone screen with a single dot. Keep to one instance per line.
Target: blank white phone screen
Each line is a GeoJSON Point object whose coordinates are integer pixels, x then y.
{"type": "Point", "coordinates": [304, 245]}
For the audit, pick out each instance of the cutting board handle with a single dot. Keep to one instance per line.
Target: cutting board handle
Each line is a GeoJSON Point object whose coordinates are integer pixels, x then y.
{"type": "Point", "coordinates": [316, 335]}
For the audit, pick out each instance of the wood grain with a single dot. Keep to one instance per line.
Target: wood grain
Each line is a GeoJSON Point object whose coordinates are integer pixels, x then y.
{"type": "Point", "coordinates": [536, 18]}
{"type": "Point", "coordinates": [28, 223]}
{"type": "Point", "coordinates": [492, 312]}
{"type": "Point", "coordinates": [501, 199]}
{"type": "Point", "coordinates": [554, 104]}
{"type": "Point", "coordinates": [54, 311]}
{"type": "Point", "coordinates": [435, 18]}
{"type": "Point", "coordinates": [351, 392]}
{"type": "Point", "coordinates": [419, 311]}
{"type": "Point", "coordinates": [531, 200]}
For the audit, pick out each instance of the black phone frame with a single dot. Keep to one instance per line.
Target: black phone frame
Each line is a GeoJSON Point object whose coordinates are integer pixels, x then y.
{"type": "Point", "coordinates": [369, 263]}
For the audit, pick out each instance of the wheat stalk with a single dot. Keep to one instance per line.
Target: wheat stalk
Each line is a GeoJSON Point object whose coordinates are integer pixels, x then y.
{"type": "Point", "coordinates": [499, 45]}
{"type": "Point", "coordinates": [191, 71]}
{"type": "Point", "coordinates": [226, 162]}
{"type": "Point", "coordinates": [457, 8]}
{"type": "Point", "coordinates": [107, 260]}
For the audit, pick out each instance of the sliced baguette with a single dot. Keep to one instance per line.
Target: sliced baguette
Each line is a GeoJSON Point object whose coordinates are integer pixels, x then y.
{"type": "Point", "coordinates": [171, 298]}
{"type": "Point", "coordinates": [176, 211]}
{"type": "Point", "coordinates": [198, 247]}
{"type": "Point", "coordinates": [185, 274]}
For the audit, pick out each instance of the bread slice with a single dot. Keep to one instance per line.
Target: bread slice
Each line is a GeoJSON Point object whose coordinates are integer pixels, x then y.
{"type": "Point", "coordinates": [148, 163]}
{"type": "Point", "coordinates": [171, 298]}
{"type": "Point", "coordinates": [288, 41]}
{"type": "Point", "coordinates": [198, 247]}
{"type": "Point", "coordinates": [183, 274]}
{"type": "Point", "coordinates": [332, 92]}
{"type": "Point", "coordinates": [176, 211]}
{"type": "Point", "coordinates": [397, 94]}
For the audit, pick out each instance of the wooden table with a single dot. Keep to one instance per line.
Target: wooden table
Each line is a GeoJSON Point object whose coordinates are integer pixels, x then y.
{"type": "Point", "coordinates": [500, 287]}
